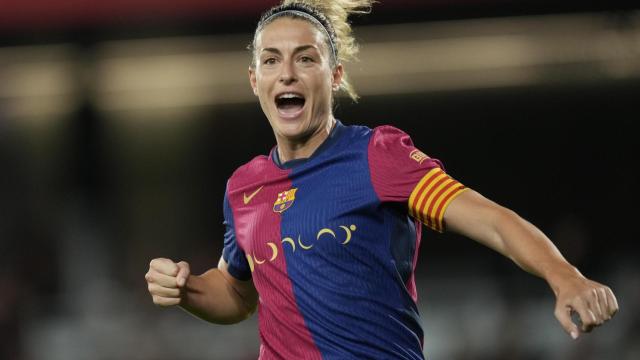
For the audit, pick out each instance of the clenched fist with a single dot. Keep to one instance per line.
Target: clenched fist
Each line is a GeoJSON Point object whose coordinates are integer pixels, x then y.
{"type": "Point", "coordinates": [593, 302]}
{"type": "Point", "coordinates": [166, 281]}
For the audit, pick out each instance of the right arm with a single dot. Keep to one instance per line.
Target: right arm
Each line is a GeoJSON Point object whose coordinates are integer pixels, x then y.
{"type": "Point", "coordinates": [215, 296]}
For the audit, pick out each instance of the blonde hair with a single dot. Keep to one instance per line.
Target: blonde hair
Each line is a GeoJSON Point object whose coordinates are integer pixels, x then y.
{"type": "Point", "coordinates": [333, 16]}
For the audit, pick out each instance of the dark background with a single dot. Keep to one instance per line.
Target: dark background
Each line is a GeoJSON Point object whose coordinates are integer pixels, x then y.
{"type": "Point", "coordinates": [88, 196]}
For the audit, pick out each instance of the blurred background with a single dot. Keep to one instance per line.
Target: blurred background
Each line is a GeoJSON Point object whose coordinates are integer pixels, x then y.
{"type": "Point", "coordinates": [121, 121]}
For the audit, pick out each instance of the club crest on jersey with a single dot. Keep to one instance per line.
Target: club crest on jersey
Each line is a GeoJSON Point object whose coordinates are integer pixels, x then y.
{"type": "Point", "coordinates": [285, 200]}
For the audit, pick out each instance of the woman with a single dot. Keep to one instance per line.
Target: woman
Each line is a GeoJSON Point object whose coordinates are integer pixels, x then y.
{"type": "Point", "coordinates": [325, 230]}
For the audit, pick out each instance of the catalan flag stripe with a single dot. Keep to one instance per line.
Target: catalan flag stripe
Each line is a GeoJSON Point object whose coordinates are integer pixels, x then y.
{"type": "Point", "coordinates": [446, 186]}
{"type": "Point", "coordinates": [437, 212]}
{"type": "Point", "coordinates": [414, 198]}
{"type": "Point", "coordinates": [425, 196]}
{"type": "Point", "coordinates": [430, 198]}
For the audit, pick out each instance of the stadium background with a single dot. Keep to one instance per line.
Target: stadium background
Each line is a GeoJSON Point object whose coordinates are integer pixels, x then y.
{"type": "Point", "coordinates": [120, 122]}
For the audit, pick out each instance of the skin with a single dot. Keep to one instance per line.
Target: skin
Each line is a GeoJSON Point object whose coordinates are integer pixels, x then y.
{"type": "Point", "coordinates": [292, 56]}
{"type": "Point", "coordinates": [501, 229]}
{"type": "Point", "coordinates": [215, 296]}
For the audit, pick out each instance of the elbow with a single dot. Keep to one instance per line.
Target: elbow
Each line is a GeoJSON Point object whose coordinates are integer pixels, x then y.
{"type": "Point", "coordinates": [503, 217]}
{"type": "Point", "coordinates": [252, 309]}
{"type": "Point", "coordinates": [243, 313]}
{"type": "Point", "coordinates": [234, 319]}
{"type": "Point", "coordinates": [249, 311]}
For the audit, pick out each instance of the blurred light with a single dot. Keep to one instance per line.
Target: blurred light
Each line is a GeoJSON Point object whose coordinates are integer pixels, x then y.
{"type": "Point", "coordinates": [37, 81]}
{"type": "Point", "coordinates": [485, 53]}
{"type": "Point", "coordinates": [185, 73]}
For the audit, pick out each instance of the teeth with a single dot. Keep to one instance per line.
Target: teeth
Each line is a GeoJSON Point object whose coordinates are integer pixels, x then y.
{"type": "Point", "coordinates": [289, 96]}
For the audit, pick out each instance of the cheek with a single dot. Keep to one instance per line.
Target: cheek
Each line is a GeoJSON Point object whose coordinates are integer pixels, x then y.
{"type": "Point", "coordinates": [322, 86]}
{"type": "Point", "coordinates": [263, 98]}
{"type": "Point", "coordinates": [262, 77]}
{"type": "Point", "coordinates": [262, 88]}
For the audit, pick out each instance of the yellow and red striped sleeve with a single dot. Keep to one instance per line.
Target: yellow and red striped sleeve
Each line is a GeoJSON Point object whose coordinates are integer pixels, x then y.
{"type": "Point", "coordinates": [430, 198]}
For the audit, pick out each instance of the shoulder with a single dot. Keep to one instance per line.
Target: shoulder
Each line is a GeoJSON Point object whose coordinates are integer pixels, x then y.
{"type": "Point", "coordinates": [358, 130]}
{"type": "Point", "coordinates": [389, 141]}
{"type": "Point", "coordinates": [249, 173]}
{"type": "Point", "coordinates": [377, 133]}
{"type": "Point", "coordinates": [386, 134]}
{"type": "Point", "coordinates": [351, 134]}
{"type": "Point", "coordinates": [392, 146]}
{"type": "Point", "coordinates": [380, 139]}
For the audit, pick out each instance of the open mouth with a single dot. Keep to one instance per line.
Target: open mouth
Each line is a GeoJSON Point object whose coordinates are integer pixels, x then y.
{"type": "Point", "coordinates": [290, 104]}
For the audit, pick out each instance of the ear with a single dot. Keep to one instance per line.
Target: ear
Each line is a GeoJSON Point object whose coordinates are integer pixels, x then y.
{"type": "Point", "coordinates": [337, 75]}
{"type": "Point", "coordinates": [252, 80]}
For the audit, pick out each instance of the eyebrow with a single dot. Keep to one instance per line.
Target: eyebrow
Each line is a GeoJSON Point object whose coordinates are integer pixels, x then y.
{"type": "Point", "coordinates": [296, 50]}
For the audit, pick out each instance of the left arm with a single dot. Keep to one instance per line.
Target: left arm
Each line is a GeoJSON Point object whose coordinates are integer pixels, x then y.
{"type": "Point", "coordinates": [501, 229]}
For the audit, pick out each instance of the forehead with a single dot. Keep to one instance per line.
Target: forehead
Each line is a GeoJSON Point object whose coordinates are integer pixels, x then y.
{"type": "Point", "coordinates": [287, 31]}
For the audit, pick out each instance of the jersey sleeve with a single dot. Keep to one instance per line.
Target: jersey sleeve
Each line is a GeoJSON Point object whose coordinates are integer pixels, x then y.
{"type": "Point", "coordinates": [402, 173]}
{"type": "Point", "coordinates": [236, 259]}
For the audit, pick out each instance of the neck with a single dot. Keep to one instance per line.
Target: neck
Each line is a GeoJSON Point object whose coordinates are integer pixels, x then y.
{"type": "Point", "coordinates": [303, 148]}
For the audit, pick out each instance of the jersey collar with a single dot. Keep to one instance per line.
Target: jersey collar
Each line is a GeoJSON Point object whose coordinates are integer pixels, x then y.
{"type": "Point", "coordinates": [333, 137]}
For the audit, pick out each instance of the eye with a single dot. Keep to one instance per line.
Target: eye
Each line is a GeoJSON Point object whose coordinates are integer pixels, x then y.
{"type": "Point", "coordinates": [269, 61]}
{"type": "Point", "coordinates": [305, 59]}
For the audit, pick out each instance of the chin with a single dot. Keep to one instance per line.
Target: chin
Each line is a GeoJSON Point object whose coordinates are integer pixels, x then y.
{"type": "Point", "coordinates": [294, 131]}
{"type": "Point", "coordinates": [290, 127]}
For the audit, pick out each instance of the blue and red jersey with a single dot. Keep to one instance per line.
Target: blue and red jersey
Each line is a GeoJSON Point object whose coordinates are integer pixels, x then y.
{"type": "Point", "coordinates": [331, 244]}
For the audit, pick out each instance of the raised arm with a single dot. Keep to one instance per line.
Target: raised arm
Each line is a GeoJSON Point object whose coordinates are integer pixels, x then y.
{"type": "Point", "coordinates": [501, 229]}
{"type": "Point", "coordinates": [215, 296]}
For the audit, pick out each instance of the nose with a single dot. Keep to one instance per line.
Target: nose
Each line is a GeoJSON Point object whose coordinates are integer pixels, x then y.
{"type": "Point", "coordinates": [288, 74]}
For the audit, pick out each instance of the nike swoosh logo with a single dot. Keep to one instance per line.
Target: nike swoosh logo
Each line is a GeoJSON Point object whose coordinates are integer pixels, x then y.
{"type": "Point", "coordinates": [248, 198]}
